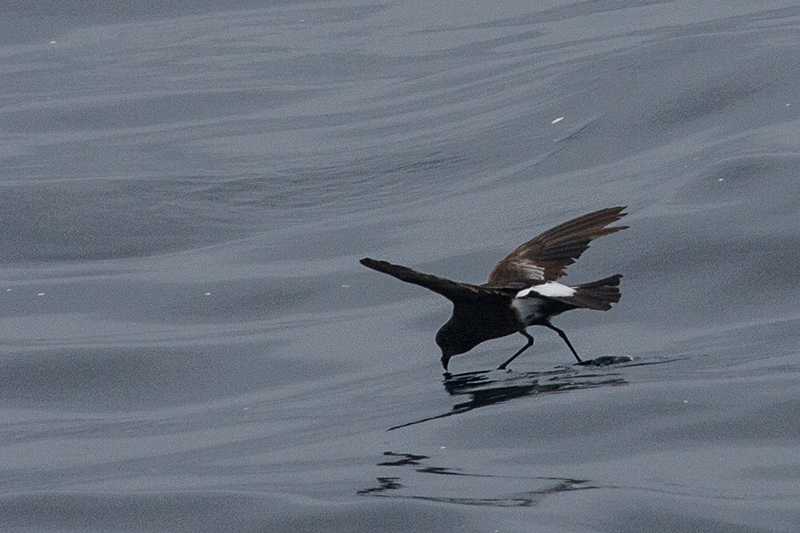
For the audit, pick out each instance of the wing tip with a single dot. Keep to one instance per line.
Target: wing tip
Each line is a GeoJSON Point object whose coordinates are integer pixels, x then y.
{"type": "Point", "coordinates": [369, 262]}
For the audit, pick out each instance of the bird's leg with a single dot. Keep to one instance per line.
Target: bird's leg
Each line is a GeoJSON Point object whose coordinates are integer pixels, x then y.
{"type": "Point", "coordinates": [528, 345]}
{"type": "Point", "coordinates": [563, 336]}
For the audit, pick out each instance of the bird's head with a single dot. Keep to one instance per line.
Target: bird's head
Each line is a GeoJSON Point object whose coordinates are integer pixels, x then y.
{"type": "Point", "coordinates": [452, 341]}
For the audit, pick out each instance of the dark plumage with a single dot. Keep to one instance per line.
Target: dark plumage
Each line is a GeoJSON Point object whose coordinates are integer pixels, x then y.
{"type": "Point", "coordinates": [521, 290]}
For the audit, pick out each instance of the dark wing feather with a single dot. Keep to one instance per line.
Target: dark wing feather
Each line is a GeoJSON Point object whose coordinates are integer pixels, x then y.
{"type": "Point", "coordinates": [545, 257]}
{"type": "Point", "coordinates": [452, 290]}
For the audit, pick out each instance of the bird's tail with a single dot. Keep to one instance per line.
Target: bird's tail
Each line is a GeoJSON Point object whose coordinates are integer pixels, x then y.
{"type": "Point", "coordinates": [598, 295]}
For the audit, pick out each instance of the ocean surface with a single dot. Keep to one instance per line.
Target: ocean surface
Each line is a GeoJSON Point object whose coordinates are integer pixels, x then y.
{"type": "Point", "coordinates": [188, 342]}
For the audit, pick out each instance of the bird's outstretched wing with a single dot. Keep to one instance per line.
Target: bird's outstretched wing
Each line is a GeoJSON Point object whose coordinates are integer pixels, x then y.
{"type": "Point", "coordinates": [545, 257]}
{"type": "Point", "coordinates": [452, 290]}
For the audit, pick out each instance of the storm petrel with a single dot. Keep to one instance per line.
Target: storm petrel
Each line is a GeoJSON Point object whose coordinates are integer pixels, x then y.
{"type": "Point", "coordinates": [522, 289]}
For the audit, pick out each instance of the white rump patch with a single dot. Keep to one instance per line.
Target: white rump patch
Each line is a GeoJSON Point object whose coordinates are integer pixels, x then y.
{"type": "Point", "coordinates": [550, 289]}
{"type": "Point", "coordinates": [528, 309]}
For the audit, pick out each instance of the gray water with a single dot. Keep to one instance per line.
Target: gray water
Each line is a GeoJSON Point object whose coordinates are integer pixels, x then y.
{"type": "Point", "coordinates": [187, 340]}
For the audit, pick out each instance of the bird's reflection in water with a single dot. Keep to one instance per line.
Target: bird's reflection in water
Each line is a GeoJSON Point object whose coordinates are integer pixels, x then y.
{"type": "Point", "coordinates": [482, 489]}
{"type": "Point", "coordinates": [496, 386]}
{"type": "Point", "coordinates": [480, 389]}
